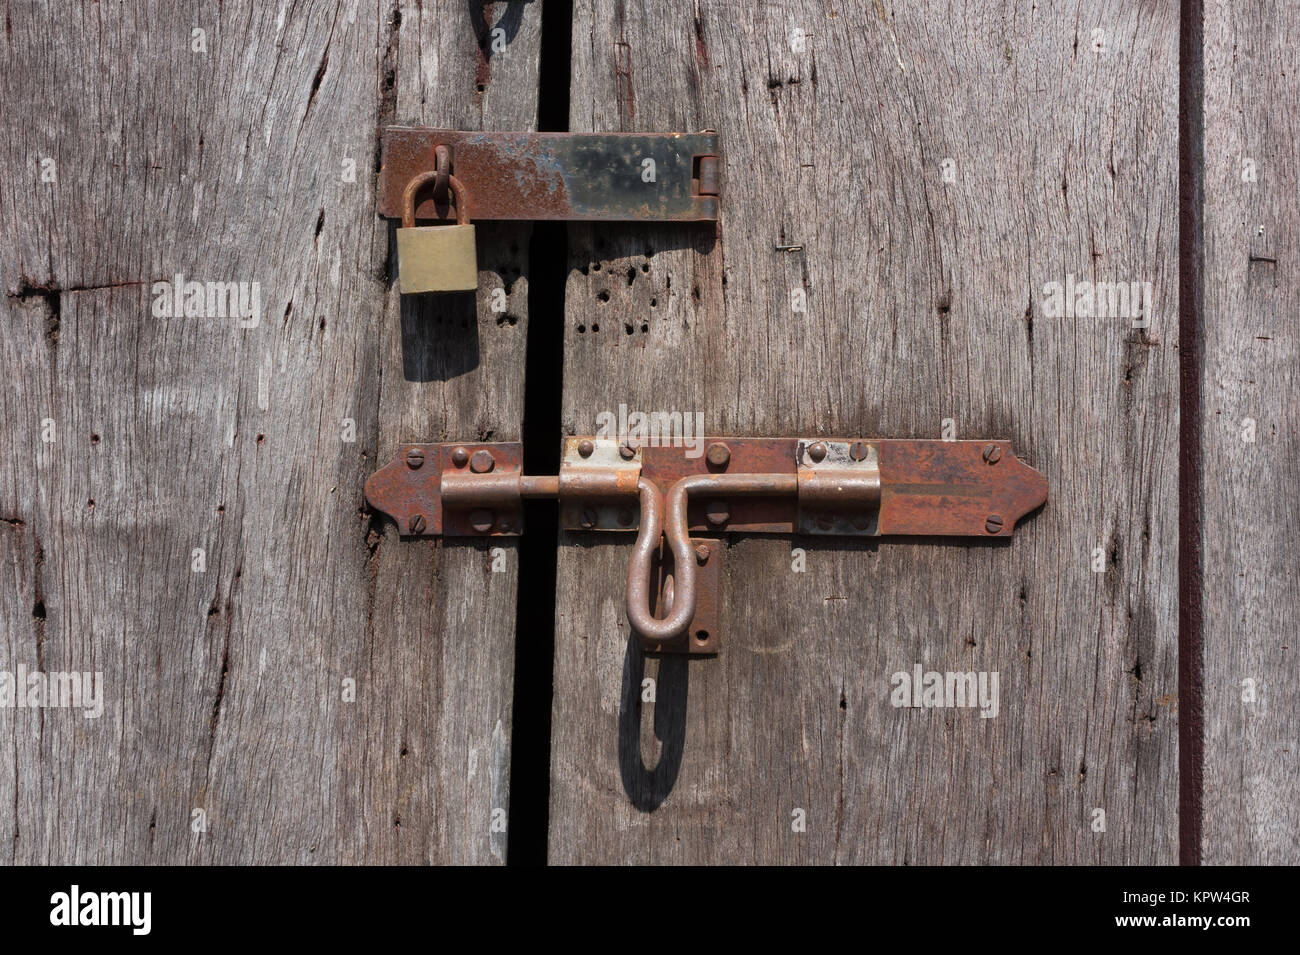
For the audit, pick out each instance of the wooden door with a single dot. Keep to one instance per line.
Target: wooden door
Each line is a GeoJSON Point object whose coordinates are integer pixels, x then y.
{"type": "Point", "coordinates": [916, 176]}
{"type": "Point", "coordinates": [285, 680]}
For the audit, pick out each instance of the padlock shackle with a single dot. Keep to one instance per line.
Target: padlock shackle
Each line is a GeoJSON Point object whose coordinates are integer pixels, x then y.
{"type": "Point", "coordinates": [413, 187]}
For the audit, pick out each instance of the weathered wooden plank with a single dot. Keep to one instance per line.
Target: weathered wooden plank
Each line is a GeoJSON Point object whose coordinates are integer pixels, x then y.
{"type": "Point", "coordinates": [1248, 435]}
{"type": "Point", "coordinates": [249, 160]}
{"type": "Point", "coordinates": [924, 283]}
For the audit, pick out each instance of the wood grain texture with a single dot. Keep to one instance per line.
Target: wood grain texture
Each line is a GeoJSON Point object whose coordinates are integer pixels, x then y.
{"type": "Point", "coordinates": [223, 688]}
{"type": "Point", "coordinates": [1252, 374]}
{"type": "Point", "coordinates": [924, 302]}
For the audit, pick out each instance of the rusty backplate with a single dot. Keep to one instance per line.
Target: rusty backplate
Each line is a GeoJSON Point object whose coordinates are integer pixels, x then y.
{"type": "Point", "coordinates": [659, 177]}
{"type": "Point", "coordinates": [409, 489]}
{"type": "Point", "coordinates": [955, 488]}
{"type": "Point", "coordinates": [947, 488]}
{"type": "Point", "coordinates": [704, 635]}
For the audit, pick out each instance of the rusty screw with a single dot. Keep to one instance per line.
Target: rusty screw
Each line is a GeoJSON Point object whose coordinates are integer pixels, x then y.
{"type": "Point", "coordinates": [417, 524]}
{"type": "Point", "coordinates": [586, 448]}
{"type": "Point", "coordinates": [719, 455]}
{"type": "Point", "coordinates": [460, 457]}
{"type": "Point", "coordinates": [481, 462]}
{"type": "Point", "coordinates": [858, 451]}
{"type": "Point", "coordinates": [625, 517]}
{"type": "Point", "coordinates": [992, 454]}
{"type": "Point", "coordinates": [415, 459]}
{"type": "Point", "coordinates": [993, 524]}
{"type": "Point", "coordinates": [627, 450]}
{"type": "Point", "coordinates": [817, 452]}
{"type": "Point", "coordinates": [702, 554]}
{"type": "Point", "coordinates": [481, 520]}
{"type": "Point", "coordinates": [589, 517]}
{"type": "Point", "coordinates": [718, 513]}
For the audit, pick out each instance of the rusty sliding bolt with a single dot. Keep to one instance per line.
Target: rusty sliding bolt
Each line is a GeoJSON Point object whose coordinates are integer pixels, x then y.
{"type": "Point", "coordinates": [852, 487]}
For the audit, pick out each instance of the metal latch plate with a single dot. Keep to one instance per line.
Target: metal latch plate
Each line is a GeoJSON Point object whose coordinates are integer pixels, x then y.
{"type": "Point", "coordinates": [654, 177]}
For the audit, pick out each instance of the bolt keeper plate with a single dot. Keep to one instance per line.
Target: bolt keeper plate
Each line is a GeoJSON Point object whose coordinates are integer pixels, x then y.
{"type": "Point", "coordinates": [412, 496]}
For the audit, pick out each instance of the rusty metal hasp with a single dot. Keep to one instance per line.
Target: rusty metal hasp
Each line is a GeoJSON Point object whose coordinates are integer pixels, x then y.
{"type": "Point", "coordinates": [851, 487]}
{"type": "Point", "coordinates": [609, 177]}
{"type": "Point", "coordinates": [435, 173]}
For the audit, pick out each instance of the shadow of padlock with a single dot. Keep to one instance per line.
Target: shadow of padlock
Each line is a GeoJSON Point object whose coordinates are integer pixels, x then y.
{"type": "Point", "coordinates": [440, 258]}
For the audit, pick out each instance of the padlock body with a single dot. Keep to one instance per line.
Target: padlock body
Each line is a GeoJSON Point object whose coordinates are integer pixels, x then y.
{"type": "Point", "coordinates": [440, 258]}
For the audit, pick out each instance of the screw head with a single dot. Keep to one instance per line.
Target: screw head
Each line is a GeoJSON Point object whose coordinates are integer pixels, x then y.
{"type": "Point", "coordinates": [481, 520]}
{"type": "Point", "coordinates": [627, 450]}
{"type": "Point", "coordinates": [992, 453]}
{"type": "Point", "coordinates": [586, 448]}
{"type": "Point", "coordinates": [993, 524]}
{"type": "Point", "coordinates": [717, 513]}
{"type": "Point", "coordinates": [589, 517]}
{"type": "Point", "coordinates": [702, 554]}
{"type": "Point", "coordinates": [481, 462]}
{"type": "Point", "coordinates": [414, 458]}
{"type": "Point", "coordinates": [625, 517]}
{"type": "Point", "coordinates": [817, 452]}
{"type": "Point", "coordinates": [460, 457]}
{"type": "Point", "coordinates": [858, 451]}
{"type": "Point", "coordinates": [718, 455]}
{"type": "Point", "coordinates": [417, 524]}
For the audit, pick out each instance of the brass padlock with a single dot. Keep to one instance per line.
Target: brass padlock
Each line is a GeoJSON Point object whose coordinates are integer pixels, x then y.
{"type": "Point", "coordinates": [436, 258]}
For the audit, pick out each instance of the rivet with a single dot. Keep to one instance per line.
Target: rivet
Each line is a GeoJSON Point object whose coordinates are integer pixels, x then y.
{"type": "Point", "coordinates": [817, 452]}
{"type": "Point", "coordinates": [719, 455]}
{"type": "Point", "coordinates": [481, 520]}
{"type": "Point", "coordinates": [993, 524]}
{"type": "Point", "coordinates": [625, 517]}
{"type": "Point", "coordinates": [589, 517]}
{"type": "Point", "coordinates": [717, 512]}
{"type": "Point", "coordinates": [417, 524]}
{"type": "Point", "coordinates": [460, 457]}
{"type": "Point", "coordinates": [482, 462]}
{"type": "Point", "coordinates": [992, 453]}
{"type": "Point", "coordinates": [586, 448]}
{"type": "Point", "coordinates": [414, 458]}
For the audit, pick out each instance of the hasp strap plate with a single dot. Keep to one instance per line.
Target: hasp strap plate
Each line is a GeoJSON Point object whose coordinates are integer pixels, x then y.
{"type": "Point", "coordinates": [651, 177]}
